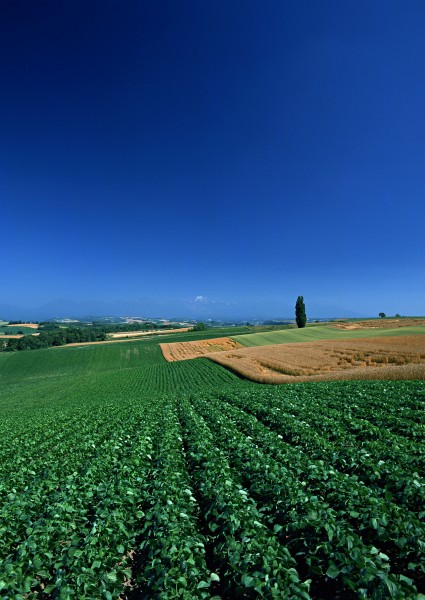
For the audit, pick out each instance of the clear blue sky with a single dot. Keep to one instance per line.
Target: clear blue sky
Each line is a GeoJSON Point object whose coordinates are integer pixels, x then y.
{"type": "Point", "coordinates": [213, 158]}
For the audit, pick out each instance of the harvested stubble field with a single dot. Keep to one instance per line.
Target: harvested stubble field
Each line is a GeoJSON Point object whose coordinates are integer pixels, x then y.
{"type": "Point", "coordinates": [23, 325]}
{"type": "Point", "coordinates": [379, 323]}
{"type": "Point", "coordinates": [186, 350]}
{"type": "Point", "coordinates": [401, 357]}
{"type": "Point", "coordinates": [128, 334]}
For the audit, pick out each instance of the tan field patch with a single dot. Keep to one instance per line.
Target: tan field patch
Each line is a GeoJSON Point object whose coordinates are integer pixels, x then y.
{"type": "Point", "coordinates": [379, 323]}
{"type": "Point", "coordinates": [97, 343]}
{"type": "Point", "coordinates": [31, 325]}
{"type": "Point", "coordinates": [401, 357]}
{"type": "Point", "coordinates": [121, 334]}
{"type": "Point", "coordinates": [187, 350]}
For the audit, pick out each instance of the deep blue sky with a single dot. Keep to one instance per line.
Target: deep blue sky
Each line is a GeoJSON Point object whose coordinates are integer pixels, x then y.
{"type": "Point", "coordinates": [213, 157]}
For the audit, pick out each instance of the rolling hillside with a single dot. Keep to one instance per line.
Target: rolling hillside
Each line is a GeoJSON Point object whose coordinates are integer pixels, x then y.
{"type": "Point", "coordinates": [123, 476]}
{"type": "Point", "coordinates": [321, 332]}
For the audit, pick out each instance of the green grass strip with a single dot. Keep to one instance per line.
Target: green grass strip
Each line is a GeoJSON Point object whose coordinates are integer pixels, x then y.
{"type": "Point", "coordinates": [313, 334]}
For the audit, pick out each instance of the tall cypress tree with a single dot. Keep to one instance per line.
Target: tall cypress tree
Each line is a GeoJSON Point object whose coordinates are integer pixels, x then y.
{"type": "Point", "coordinates": [300, 315]}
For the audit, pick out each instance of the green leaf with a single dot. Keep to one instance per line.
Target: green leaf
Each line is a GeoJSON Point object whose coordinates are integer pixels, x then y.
{"type": "Point", "coordinates": [49, 589]}
{"type": "Point", "coordinates": [248, 581]}
{"type": "Point", "coordinates": [43, 573]}
{"type": "Point", "coordinates": [333, 571]}
{"type": "Point", "coordinates": [214, 577]}
{"type": "Point", "coordinates": [202, 584]}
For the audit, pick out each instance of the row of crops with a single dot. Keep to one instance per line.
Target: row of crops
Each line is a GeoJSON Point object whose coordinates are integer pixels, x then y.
{"type": "Point", "coordinates": [180, 481]}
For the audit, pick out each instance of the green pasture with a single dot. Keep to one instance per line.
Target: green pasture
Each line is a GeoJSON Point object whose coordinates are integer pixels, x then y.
{"type": "Point", "coordinates": [213, 332]}
{"type": "Point", "coordinates": [188, 336]}
{"type": "Point", "coordinates": [15, 329]}
{"type": "Point", "coordinates": [315, 333]}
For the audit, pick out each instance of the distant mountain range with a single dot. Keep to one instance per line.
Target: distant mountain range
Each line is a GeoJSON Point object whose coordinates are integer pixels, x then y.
{"type": "Point", "coordinates": [147, 308]}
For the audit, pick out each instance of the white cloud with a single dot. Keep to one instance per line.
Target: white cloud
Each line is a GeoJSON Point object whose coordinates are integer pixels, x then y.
{"type": "Point", "coordinates": [206, 300]}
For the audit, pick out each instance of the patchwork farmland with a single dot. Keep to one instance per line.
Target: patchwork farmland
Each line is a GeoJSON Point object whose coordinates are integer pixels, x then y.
{"type": "Point", "coordinates": [127, 476]}
{"type": "Point", "coordinates": [401, 357]}
{"type": "Point", "coordinates": [317, 353]}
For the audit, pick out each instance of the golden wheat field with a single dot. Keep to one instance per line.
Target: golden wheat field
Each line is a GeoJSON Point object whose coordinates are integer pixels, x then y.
{"type": "Point", "coordinates": [128, 334]}
{"type": "Point", "coordinates": [30, 325]}
{"type": "Point", "coordinates": [400, 357]}
{"type": "Point", "coordinates": [379, 323]}
{"type": "Point", "coordinates": [186, 350]}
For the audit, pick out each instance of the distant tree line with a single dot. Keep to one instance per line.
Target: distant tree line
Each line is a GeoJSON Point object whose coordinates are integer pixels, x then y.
{"type": "Point", "coordinates": [145, 326]}
{"type": "Point", "coordinates": [56, 337]}
{"type": "Point", "coordinates": [54, 334]}
{"type": "Point", "coordinates": [111, 327]}
{"type": "Point", "coordinates": [199, 327]}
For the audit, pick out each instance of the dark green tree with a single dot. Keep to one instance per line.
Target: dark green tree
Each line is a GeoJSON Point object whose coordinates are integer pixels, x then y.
{"type": "Point", "coordinates": [300, 315]}
{"type": "Point", "coordinates": [199, 327]}
{"type": "Point", "coordinates": [382, 315]}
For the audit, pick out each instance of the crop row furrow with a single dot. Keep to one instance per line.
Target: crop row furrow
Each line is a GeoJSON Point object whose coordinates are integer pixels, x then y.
{"type": "Point", "coordinates": [170, 551]}
{"type": "Point", "coordinates": [326, 544]}
{"type": "Point", "coordinates": [73, 452]}
{"type": "Point", "coordinates": [407, 489]}
{"type": "Point", "coordinates": [249, 559]}
{"type": "Point", "coordinates": [398, 532]}
{"type": "Point", "coordinates": [78, 545]}
{"type": "Point", "coordinates": [404, 419]}
{"type": "Point", "coordinates": [337, 421]}
{"type": "Point", "coordinates": [389, 465]}
{"type": "Point", "coordinates": [339, 425]}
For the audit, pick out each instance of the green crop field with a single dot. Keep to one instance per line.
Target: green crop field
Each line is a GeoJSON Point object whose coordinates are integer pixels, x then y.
{"type": "Point", "coordinates": [16, 329]}
{"type": "Point", "coordinates": [321, 332]}
{"type": "Point", "coordinates": [123, 476]}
